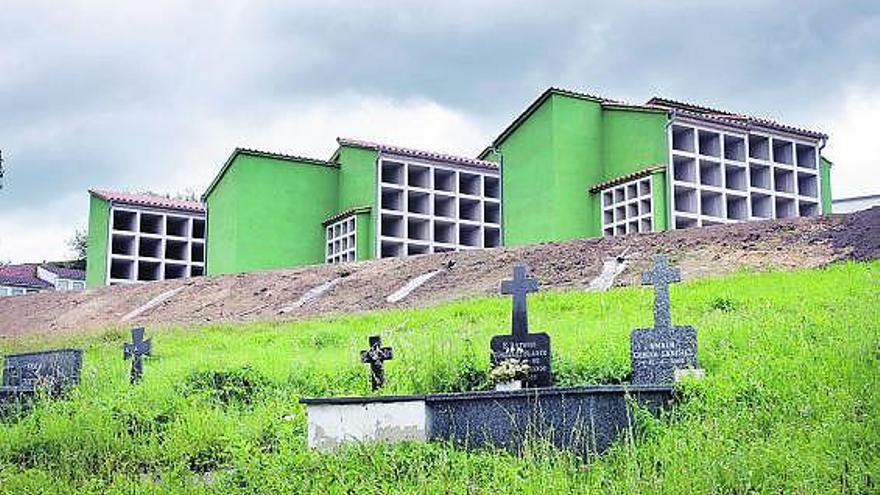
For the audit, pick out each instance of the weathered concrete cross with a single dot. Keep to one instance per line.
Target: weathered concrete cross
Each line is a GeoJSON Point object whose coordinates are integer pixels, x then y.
{"type": "Point", "coordinates": [518, 288]}
{"type": "Point", "coordinates": [136, 350]}
{"type": "Point", "coordinates": [376, 356]}
{"type": "Point", "coordinates": [660, 277]}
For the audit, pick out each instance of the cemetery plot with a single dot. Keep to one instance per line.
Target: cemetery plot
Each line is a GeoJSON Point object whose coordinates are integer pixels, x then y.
{"type": "Point", "coordinates": [54, 370]}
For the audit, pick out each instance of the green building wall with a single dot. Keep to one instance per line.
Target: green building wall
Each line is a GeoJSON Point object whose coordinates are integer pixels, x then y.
{"type": "Point", "coordinates": [825, 183]}
{"type": "Point", "coordinates": [266, 212]}
{"type": "Point", "coordinates": [357, 189]}
{"type": "Point", "coordinates": [566, 145]}
{"type": "Point", "coordinates": [96, 254]}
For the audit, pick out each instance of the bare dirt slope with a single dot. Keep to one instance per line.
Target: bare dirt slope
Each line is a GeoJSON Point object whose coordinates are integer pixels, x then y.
{"type": "Point", "coordinates": [785, 244]}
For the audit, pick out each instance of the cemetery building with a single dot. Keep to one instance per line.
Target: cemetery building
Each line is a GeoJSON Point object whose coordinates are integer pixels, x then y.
{"type": "Point", "coordinates": [143, 237]}
{"type": "Point", "coordinates": [570, 166]}
{"type": "Point", "coordinates": [30, 278]}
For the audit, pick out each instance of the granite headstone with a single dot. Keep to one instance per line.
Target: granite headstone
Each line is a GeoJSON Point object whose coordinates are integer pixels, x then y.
{"type": "Point", "coordinates": [532, 349]}
{"type": "Point", "coordinates": [658, 352]}
{"type": "Point", "coordinates": [53, 370]}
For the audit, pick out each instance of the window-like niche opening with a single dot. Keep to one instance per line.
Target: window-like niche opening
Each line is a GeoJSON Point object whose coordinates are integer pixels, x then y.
{"type": "Point", "coordinates": [685, 223]}
{"type": "Point", "coordinates": [761, 205]}
{"type": "Point", "coordinates": [468, 184]}
{"type": "Point", "coordinates": [683, 138]}
{"type": "Point", "coordinates": [197, 252]}
{"type": "Point", "coordinates": [392, 172]}
{"type": "Point", "coordinates": [710, 143]}
{"type": "Point", "coordinates": [444, 206]}
{"type": "Point", "coordinates": [785, 208]}
{"type": "Point", "coordinates": [783, 180]}
{"type": "Point", "coordinates": [608, 216]}
{"type": "Point", "coordinates": [491, 212]}
{"type": "Point", "coordinates": [782, 151]}
{"type": "Point", "coordinates": [175, 250]}
{"type": "Point", "coordinates": [174, 271]}
{"type": "Point", "coordinates": [176, 226]}
{"type": "Point", "coordinates": [418, 202]}
{"type": "Point", "coordinates": [122, 244]}
{"type": "Point", "coordinates": [808, 185]}
{"type": "Point", "coordinates": [392, 226]}
{"type": "Point", "coordinates": [392, 199]}
{"type": "Point", "coordinates": [149, 270]}
{"type": "Point", "coordinates": [632, 191]}
{"type": "Point", "coordinates": [645, 206]}
{"type": "Point", "coordinates": [685, 199]}
{"type": "Point", "coordinates": [735, 177]}
{"type": "Point", "coordinates": [608, 198]}
{"type": "Point", "coordinates": [124, 220]}
{"type": "Point", "coordinates": [646, 225]}
{"type": "Point", "coordinates": [444, 232]}
{"type": "Point", "coordinates": [121, 269]}
{"type": "Point", "coordinates": [149, 247]}
{"type": "Point", "coordinates": [418, 176]}
{"type": "Point", "coordinates": [684, 169]}
{"type": "Point", "coordinates": [151, 224]}
{"type": "Point", "coordinates": [734, 148]}
{"type": "Point", "coordinates": [737, 207]}
{"type": "Point", "coordinates": [759, 147]}
{"type": "Point", "coordinates": [710, 173]}
{"type": "Point", "coordinates": [491, 187]}
{"type": "Point", "coordinates": [711, 204]}
{"type": "Point", "coordinates": [416, 249]}
{"type": "Point", "coordinates": [196, 271]}
{"type": "Point", "coordinates": [469, 209]}
{"type": "Point", "coordinates": [198, 226]}
{"type": "Point", "coordinates": [469, 235]}
{"type": "Point", "coordinates": [759, 176]}
{"type": "Point", "coordinates": [444, 180]}
{"type": "Point", "coordinates": [491, 237]}
{"type": "Point", "coordinates": [418, 229]}
{"type": "Point", "coordinates": [808, 209]}
{"type": "Point", "coordinates": [391, 249]}
{"type": "Point", "coordinates": [806, 156]}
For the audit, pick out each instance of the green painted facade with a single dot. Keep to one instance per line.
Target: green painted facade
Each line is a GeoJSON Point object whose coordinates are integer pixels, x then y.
{"type": "Point", "coordinates": [96, 255]}
{"type": "Point", "coordinates": [566, 145]}
{"type": "Point", "coordinates": [825, 183]}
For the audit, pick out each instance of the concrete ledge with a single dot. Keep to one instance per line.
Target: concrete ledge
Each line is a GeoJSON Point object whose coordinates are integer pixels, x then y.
{"type": "Point", "coordinates": [583, 419]}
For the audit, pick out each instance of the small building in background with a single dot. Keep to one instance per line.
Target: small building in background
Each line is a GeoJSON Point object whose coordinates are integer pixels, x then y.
{"type": "Point", "coordinates": [856, 203]}
{"type": "Point", "coordinates": [143, 237]}
{"type": "Point", "coordinates": [29, 278]}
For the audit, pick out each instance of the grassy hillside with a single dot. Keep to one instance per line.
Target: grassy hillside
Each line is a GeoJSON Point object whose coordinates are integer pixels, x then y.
{"type": "Point", "coordinates": [791, 403]}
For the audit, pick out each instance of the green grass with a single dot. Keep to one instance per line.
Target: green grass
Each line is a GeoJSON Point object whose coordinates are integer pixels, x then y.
{"type": "Point", "coordinates": [791, 402]}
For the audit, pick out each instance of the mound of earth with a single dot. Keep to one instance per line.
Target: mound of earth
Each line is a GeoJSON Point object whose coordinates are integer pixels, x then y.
{"type": "Point", "coordinates": [364, 286]}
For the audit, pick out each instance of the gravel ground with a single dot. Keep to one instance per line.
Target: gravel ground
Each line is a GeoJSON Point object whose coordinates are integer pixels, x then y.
{"type": "Point", "coordinates": [711, 251]}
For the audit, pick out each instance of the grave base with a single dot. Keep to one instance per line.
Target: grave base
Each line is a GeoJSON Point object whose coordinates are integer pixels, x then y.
{"type": "Point", "coordinates": [585, 420]}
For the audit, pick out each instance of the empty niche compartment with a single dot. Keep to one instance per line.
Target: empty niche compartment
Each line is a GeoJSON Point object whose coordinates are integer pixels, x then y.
{"type": "Point", "coordinates": [149, 270]}
{"type": "Point", "coordinates": [737, 207]}
{"type": "Point", "coordinates": [491, 212]}
{"type": "Point", "coordinates": [444, 232]}
{"type": "Point", "coordinates": [196, 271]}
{"type": "Point", "coordinates": [468, 184]}
{"type": "Point", "coordinates": [806, 156]}
{"type": "Point", "coordinates": [392, 199]}
{"type": "Point", "coordinates": [175, 271]}
{"type": "Point", "coordinates": [620, 229]}
{"type": "Point", "coordinates": [734, 148]}
{"type": "Point", "coordinates": [785, 208]}
{"type": "Point", "coordinates": [392, 172]}
{"type": "Point", "coordinates": [783, 180]}
{"type": "Point", "coordinates": [609, 231]}
{"type": "Point", "coordinates": [198, 228]}
{"type": "Point", "coordinates": [711, 204]}
{"type": "Point", "coordinates": [645, 187]}
{"type": "Point", "coordinates": [443, 249]}
{"type": "Point", "coordinates": [608, 216]}
{"type": "Point", "coordinates": [710, 143]}
{"type": "Point", "coordinates": [149, 247]}
{"type": "Point", "coordinates": [761, 205]}
{"type": "Point", "coordinates": [632, 191]}
{"type": "Point", "coordinates": [644, 207]}
{"type": "Point", "coordinates": [122, 244]}
{"type": "Point", "coordinates": [735, 177]}
{"type": "Point", "coordinates": [710, 173]}
{"type": "Point", "coordinates": [491, 187]}
{"type": "Point", "coordinates": [620, 213]}
{"type": "Point", "coordinates": [632, 209]}
{"type": "Point", "coordinates": [469, 209]}
{"type": "Point", "coordinates": [175, 250]}
{"type": "Point", "coordinates": [759, 175]}
{"type": "Point", "coordinates": [646, 225]}
{"type": "Point", "coordinates": [418, 176]}
{"type": "Point", "coordinates": [177, 226]}
{"type": "Point", "coordinates": [685, 223]}
{"type": "Point", "coordinates": [808, 185]}
{"type": "Point", "coordinates": [469, 235]}
{"type": "Point", "coordinates": [390, 249]}
{"type": "Point", "coordinates": [782, 151]}
{"type": "Point", "coordinates": [632, 227]}
{"type": "Point", "coordinates": [608, 198]}
{"type": "Point", "coordinates": [151, 224]}
{"type": "Point", "coordinates": [197, 252]}
{"type": "Point", "coordinates": [392, 226]}
{"type": "Point", "coordinates": [444, 206]}
{"type": "Point", "coordinates": [444, 180]}
{"type": "Point", "coordinates": [808, 209]}
{"type": "Point", "coordinates": [415, 249]}
{"type": "Point", "coordinates": [491, 237]}
{"type": "Point", "coordinates": [683, 138]}
{"type": "Point", "coordinates": [121, 269]}
{"type": "Point", "coordinates": [759, 147]}
{"type": "Point", "coordinates": [619, 195]}
{"type": "Point", "coordinates": [418, 229]}
{"type": "Point", "coordinates": [685, 199]}
{"type": "Point", "coordinates": [418, 202]}
{"type": "Point", "coordinates": [124, 220]}
{"type": "Point", "coordinates": [684, 169]}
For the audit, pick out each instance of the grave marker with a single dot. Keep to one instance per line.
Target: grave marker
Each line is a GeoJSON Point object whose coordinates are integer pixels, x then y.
{"type": "Point", "coordinates": [376, 356]}
{"type": "Point", "coordinates": [530, 348]}
{"type": "Point", "coordinates": [136, 350]}
{"type": "Point", "coordinates": [55, 370]}
{"type": "Point", "coordinates": [658, 352]}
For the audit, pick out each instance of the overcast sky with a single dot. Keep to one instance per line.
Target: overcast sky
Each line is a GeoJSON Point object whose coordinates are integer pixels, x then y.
{"type": "Point", "coordinates": [155, 95]}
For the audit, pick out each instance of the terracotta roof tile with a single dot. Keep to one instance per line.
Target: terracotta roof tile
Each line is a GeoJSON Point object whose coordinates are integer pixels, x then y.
{"type": "Point", "coordinates": [150, 200]}
{"type": "Point", "coordinates": [66, 273]}
{"type": "Point", "coordinates": [22, 276]}
{"type": "Point", "coordinates": [429, 155]}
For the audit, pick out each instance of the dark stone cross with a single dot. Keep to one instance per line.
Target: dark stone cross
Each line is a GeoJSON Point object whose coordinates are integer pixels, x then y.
{"type": "Point", "coordinates": [532, 349]}
{"type": "Point", "coordinates": [660, 277]}
{"type": "Point", "coordinates": [136, 350]}
{"type": "Point", "coordinates": [376, 356]}
{"type": "Point", "coordinates": [518, 288]}
{"type": "Point", "coordinates": [657, 353]}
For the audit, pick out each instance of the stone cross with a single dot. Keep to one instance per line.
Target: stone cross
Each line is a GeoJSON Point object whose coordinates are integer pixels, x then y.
{"type": "Point", "coordinates": [136, 350]}
{"type": "Point", "coordinates": [660, 277]}
{"type": "Point", "coordinates": [376, 356]}
{"type": "Point", "coordinates": [518, 288]}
